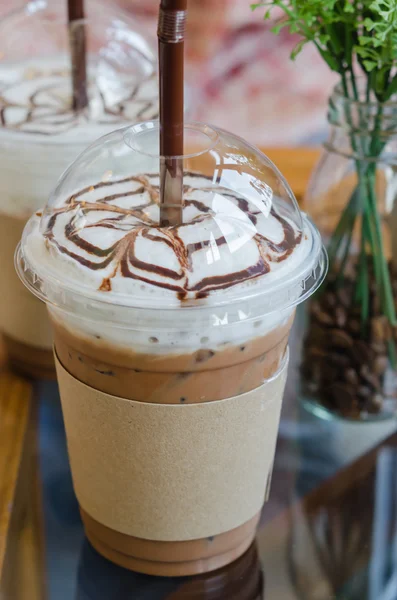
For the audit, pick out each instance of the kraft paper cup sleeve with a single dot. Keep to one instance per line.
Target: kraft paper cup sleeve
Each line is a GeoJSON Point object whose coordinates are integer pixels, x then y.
{"type": "Point", "coordinates": [171, 472]}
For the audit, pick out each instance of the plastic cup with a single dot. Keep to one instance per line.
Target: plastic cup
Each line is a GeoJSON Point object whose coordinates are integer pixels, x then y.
{"type": "Point", "coordinates": [171, 342]}
{"type": "Point", "coordinates": [40, 135]}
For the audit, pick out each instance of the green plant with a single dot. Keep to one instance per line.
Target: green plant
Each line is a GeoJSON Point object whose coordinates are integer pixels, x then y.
{"type": "Point", "coordinates": [356, 37]}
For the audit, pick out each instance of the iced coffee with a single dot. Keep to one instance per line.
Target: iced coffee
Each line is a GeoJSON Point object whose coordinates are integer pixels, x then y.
{"type": "Point", "coordinates": [40, 135]}
{"type": "Point", "coordinates": [171, 341]}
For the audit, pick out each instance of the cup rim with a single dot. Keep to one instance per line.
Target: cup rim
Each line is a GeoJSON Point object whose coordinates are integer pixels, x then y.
{"type": "Point", "coordinates": [265, 301]}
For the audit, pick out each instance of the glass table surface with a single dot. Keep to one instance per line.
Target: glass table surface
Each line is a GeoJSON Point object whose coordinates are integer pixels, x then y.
{"type": "Point", "coordinates": [328, 532]}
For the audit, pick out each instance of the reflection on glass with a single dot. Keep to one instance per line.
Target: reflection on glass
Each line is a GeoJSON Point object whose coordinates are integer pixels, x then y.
{"type": "Point", "coordinates": [383, 565]}
{"type": "Point", "coordinates": [330, 541]}
{"type": "Point", "coordinates": [99, 579]}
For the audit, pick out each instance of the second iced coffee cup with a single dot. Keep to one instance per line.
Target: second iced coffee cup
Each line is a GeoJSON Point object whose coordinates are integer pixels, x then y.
{"type": "Point", "coordinates": [171, 341]}
{"type": "Point", "coordinates": [41, 133]}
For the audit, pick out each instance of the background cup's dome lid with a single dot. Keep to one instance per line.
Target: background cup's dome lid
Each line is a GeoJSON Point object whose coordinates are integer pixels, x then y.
{"type": "Point", "coordinates": [35, 73]}
{"type": "Point", "coordinates": [243, 237]}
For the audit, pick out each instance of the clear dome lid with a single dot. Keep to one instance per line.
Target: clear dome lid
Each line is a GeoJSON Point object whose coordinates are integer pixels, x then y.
{"type": "Point", "coordinates": [35, 72]}
{"type": "Point", "coordinates": [242, 235]}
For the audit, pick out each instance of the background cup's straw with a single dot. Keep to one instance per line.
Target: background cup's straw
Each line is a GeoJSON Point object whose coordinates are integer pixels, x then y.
{"type": "Point", "coordinates": [78, 53]}
{"type": "Point", "coordinates": [171, 34]}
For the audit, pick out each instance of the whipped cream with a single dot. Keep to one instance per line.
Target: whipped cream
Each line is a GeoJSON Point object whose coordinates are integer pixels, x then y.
{"type": "Point", "coordinates": [35, 98]}
{"type": "Point", "coordinates": [40, 135]}
{"type": "Point", "coordinates": [106, 238]}
{"type": "Point", "coordinates": [104, 245]}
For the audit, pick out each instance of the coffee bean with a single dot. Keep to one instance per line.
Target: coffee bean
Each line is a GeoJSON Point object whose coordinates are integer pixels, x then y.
{"type": "Point", "coordinates": [353, 326]}
{"type": "Point", "coordinates": [370, 378]}
{"type": "Point", "coordinates": [344, 297]}
{"type": "Point", "coordinates": [339, 358]}
{"type": "Point", "coordinates": [353, 413]}
{"type": "Point", "coordinates": [350, 273]}
{"type": "Point", "coordinates": [364, 392]}
{"type": "Point", "coordinates": [379, 347]}
{"type": "Point", "coordinates": [378, 329]}
{"type": "Point", "coordinates": [329, 373]}
{"type": "Point", "coordinates": [340, 316]}
{"type": "Point", "coordinates": [329, 300]}
{"type": "Point", "coordinates": [355, 311]}
{"type": "Point", "coordinates": [316, 352]}
{"type": "Point", "coordinates": [323, 318]}
{"type": "Point", "coordinates": [381, 364]}
{"type": "Point", "coordinates": [361, 352]}
{"type": "Point", "coordinates": [352, 377]}
{"type": "Point", "coordinates": [344, 395]}
{"type": "Point", "coordinates": [340, 339]}
{"type": "Point", "coordinates": [316, 335]}
{"type": "Point", "coordinates": [374, 404]}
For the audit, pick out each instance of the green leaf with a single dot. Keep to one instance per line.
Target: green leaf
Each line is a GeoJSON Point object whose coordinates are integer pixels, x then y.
{"type": "Point", "coordinates": [298, 48]}
{"type": "Point", "coordinates": [343, 31]}
{"type": "Point", "coordinates": [369, 24]}
{"type": "Point", "coordinates": [365, 40]}
{"type": "Point", "coordinates": [277, 28]}
{"type": "Point", "coordinates": [369, 65]}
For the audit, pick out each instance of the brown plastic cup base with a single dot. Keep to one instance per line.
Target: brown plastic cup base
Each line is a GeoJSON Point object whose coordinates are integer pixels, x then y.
{"type": "Point", "coordinates": [168, 559]}
{"type": "Point", "coordinates": [29, 361]}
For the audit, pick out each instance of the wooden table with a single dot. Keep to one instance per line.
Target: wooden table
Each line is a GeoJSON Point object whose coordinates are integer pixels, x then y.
{"type": "Point", "coordinates": [20, 518]}
{"type": "Point", "coordinates": [21, 525]}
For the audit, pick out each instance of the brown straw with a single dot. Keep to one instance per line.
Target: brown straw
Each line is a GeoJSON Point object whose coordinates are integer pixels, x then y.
{"type": "Point", "coordinates": [78, 53]}
{"type": "Point", "coordinates": [171, 33]}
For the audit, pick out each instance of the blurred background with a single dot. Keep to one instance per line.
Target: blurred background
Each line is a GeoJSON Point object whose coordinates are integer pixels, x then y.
{"type": "Point", "coordinates": [240, 73]}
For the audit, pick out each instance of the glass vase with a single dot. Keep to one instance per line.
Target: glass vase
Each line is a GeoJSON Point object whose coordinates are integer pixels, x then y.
{"type": "Point", "coordinates": [349, 359]}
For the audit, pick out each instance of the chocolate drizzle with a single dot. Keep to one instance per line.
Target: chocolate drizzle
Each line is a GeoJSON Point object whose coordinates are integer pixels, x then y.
{"type": "Point", "coordinates": [48, 110]}
{"type": "Point", "coordinates": [136, 221]}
